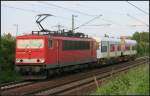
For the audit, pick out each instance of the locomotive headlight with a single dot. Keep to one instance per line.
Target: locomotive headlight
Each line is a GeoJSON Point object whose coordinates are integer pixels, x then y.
{"type": "Point", "coordinates": [42, 60]}
{"type": "Point", "coordinates": [17, 60]}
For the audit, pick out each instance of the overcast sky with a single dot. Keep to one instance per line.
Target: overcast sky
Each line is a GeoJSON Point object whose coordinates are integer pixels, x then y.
{"type": "Point", "coordinates": [114, 20]}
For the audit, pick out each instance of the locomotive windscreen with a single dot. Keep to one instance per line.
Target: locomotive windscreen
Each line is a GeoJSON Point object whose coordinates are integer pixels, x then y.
{"type": "Point", "coordinates": [30, 43]}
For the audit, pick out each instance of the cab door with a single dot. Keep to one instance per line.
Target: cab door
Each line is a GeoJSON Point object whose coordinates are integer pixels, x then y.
{"type": "Point", "coordinates": [57, 51]}
{"type": "Point", "coordinates": [52, 57]}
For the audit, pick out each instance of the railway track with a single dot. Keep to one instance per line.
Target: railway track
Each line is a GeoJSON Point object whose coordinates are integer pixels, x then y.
{"type": "Point", "coordinates": [14, 85]}
{"type": "Point", "coordinates": [68, 89]}
{"type": "Point", "coordinates": [70, 84]}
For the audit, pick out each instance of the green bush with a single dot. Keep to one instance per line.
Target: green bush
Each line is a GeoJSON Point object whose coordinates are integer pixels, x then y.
{"type": "Point", "coordinates": [135, 82]}
{"type": "Point", "coordinates": [142, 39]}
{"type": "Point", "coordinates": [7, 52]}
{"type": "Point", "coordinates": [9, 75]}
{"type": "Point", "coordinates": [7, 58]}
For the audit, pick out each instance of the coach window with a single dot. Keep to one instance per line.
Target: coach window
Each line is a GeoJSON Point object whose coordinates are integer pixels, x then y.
{"type": "Point", "coordinates": [127, 47]}
{"type": "Point", "coordinates": [119, 47]}
{"type": "Point", "coordinates": [103, 46]}
{"type": "Point", "coordinates": [50, 43]}
{"type": "Point", "coordinates": [112, 47]}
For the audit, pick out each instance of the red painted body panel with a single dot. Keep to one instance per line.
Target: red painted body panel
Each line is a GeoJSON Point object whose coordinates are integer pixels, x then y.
{"type": "Point", "coordinates": [56, 55]}
{"type": "Point", "coordinates": [30, 53]}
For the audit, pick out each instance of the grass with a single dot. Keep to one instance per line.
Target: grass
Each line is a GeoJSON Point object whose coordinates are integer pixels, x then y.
{"type": "Point", "coordinates": [8, 76]}
{"type": "Point", "coordinates": [134, 82]}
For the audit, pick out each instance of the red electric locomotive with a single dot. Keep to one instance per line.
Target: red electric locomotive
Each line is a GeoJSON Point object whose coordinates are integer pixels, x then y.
{"type": "Point", "coordinates": [39, 54]}
{"type": "Point", "coordinates": [44, 52]}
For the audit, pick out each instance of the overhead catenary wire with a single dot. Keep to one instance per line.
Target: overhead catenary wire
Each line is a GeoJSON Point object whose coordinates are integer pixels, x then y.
{"type": "Point", "coordinates": [87, 22]}
{"type": "Point", "coordinates": [106, 19]}
{"type": "Point", "coordinates": [71, 10]}
{"type": "Point", "coordinates": [103, 18]}
{"type": "Point", "coordinates": [47, 7]}
{"type": "Point", "coordinates": [22, 9]}
{"type": "Point", "coordinates": [99, 25]}
{"type": "Point", "coordinates": [111, 11]}
{"type": "Point", "coordinates": [137, 25]}
{"type": "Point", "coordinates": [138, 20]}
{"type": "Point", "coordinates": [138, 8]}
{"type": "Point", "coordinates": [32, 11]}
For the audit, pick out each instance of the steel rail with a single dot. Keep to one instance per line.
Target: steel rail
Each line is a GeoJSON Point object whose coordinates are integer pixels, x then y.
{"type": "Point", "coordinates": [57, 83]}
{"type": "Point", "coordinates": [73, 85]}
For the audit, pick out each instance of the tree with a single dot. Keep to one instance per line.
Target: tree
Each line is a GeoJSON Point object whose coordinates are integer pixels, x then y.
{"type": "Point", "coordinates": [7, 52]}
{"type": "Point", "coordinates": [142, 39]}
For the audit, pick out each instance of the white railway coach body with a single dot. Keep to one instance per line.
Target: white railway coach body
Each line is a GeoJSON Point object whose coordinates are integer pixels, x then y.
{"type": "Point", "coordinates": [130, 47]}
{"type": "Point", "coordinates": [111, 47]}
{"type": "Point", "coordinates": [108, 47]}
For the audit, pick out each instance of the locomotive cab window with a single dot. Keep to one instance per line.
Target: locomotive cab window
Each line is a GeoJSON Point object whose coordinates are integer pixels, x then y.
{"type": "Point", "coordinates": [30, 43]}
{"type": "Point", "coordinates": [50, 43]}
